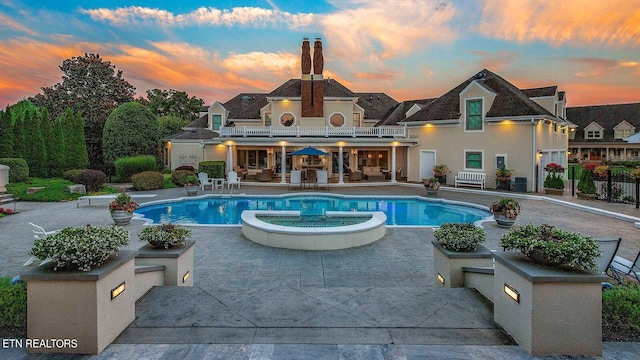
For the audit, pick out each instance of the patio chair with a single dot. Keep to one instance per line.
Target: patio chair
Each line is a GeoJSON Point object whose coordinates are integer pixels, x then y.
{"type": "Point", "coordinates": [265, 175]}
{"type": "Point", "coordinates": [609, 248]}
{"type": "Point", "coordinates": [322, 179]}
{"type": "Point", "coordinates": [241, 172]}
{"type": "Point", "coordinates": [621, 266]}
{"type": "Point", "coordinates": [204, 180]}
{"type": "Point", "coordinates": [296, 179]}
{"type": "Point", "coordinates": [39, 233]}
{"type": "Point", "coordinates": [233, 179]}
{"type": "Point", "coordinates": [354, 175]}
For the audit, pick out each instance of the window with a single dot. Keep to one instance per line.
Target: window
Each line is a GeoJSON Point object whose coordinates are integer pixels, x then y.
{"type": "Point", "coordinates": [473, 160]}
{"type": "Point", "coordinates": [593, 134]}
{"type": "Point", "coordinates": [555, 128]}
{"type": "Point", "coordinates": [252, 159]}
{"type": "Point", "coordinates": [336, 120]}
{"type": "Point", "coordinates": [356, 120]}
{"type": "Point", "coordinates": [267, 119]}
{"type": "Point", "coordinates": [287, 119]}
{"type": "Point", "coordinates": [474, 115]}
{"type": "Point", "coordinates": [216, 121]}
{"type": "Point", "coordinates": [621, 134]}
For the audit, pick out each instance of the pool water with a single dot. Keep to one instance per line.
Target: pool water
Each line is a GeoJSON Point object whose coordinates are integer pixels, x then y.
{"type": "Point", "coordinates": [313, 221]}
{"type": "Point", "coordinates": [400, 211]}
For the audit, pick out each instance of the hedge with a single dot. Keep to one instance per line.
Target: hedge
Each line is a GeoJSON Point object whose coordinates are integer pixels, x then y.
{"type": "Point", "coordinates": [214, 169]}
{"type": "Point", "coordinates": [126, 167]}
{"type": "Point", "coordinates": [179, 177]}
{"type": "Point", "coordinates": [19, 169]}
{"type": "Point", "coordinates": [91, 179]}
{"type": "Point", "coordinates": [147, 180]}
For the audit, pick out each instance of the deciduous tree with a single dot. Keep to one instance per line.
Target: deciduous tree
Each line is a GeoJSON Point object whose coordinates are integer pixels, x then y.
{"type": "Point", "coordinates": [172, 102]}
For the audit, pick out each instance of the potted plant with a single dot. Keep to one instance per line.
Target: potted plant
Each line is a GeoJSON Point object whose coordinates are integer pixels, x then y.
{"type": "Point", "coordinates": [463, 237]}
{"type": "Point", "coordinates": [586, 185]}
{"type": "Point", "coordinates": [122, 209]}
{"type": "Point", "coordinates": [549, 246]}
{"type": "Point", "coordinates": [503, 179]}
{"type": "Point", "coordinates": [81, 248]}
{"type": "Point", "coordinates": [165, 236]}
{"type": "Point", "coordinates": [505, 211]}
{"type": "Point", "coordinates": [440, 172]}
{"type": "Point", "coordinates": [192, 185]}
{"type": "Point", "coordinates": [554, 183]}
{"type": "Point", "coordinates": [431, 185]}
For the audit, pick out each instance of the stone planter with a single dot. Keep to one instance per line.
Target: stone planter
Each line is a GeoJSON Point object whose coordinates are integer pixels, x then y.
{"type": "Point", "coordinates": [504, 186]}
{"type": "Point", "coordinates": [553, 191]}
{"type": "Point", "coordinates": [178, 262]}
{"type": "Point", "coordinates": [192, 189]}
{"type": "Point", "coordinates": [80, 306]}
{"type": "Point", "coordinates": [503, 220]}
{"type": "Point", "coordinates": [430, 191]}
{"type": "Point", "coordinates": [586, 196]}
{"type": "Point", "coordinates": [448, 264]}
{"type": "Point", "coordinates": [549, 305]}
{"type": "Point", "coordinates": [121, 217]}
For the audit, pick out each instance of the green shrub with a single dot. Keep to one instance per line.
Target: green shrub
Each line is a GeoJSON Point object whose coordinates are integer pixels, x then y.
{"type": "Point", "coordinates": [126, 167]}
{"type": "Point", "coordinates": [621, 311]}
{"type": "Point", "coordinates": [460, 237]}
{"type": "Point", "coordinates": [179, 177]}
{"type": "Point", "coordinates": [19, 169]}
{"type": "Point", "coordinates": [214, 169]}
{"type": "Point", "coordinates": [147, 180]}
{"type": "Point", "coordinates": [165, 236]}
{"type": "Point", "coordinates": [553, 181]}
{"type": "Point", "coordinates": [13, 309]}
{"type": "Point", "coordinates": [586, 184]}
{"type": "Point", "coordinates": [130, 130]}
{"type": "Point", "coordinates": [91, 179]}
{"type": "Point", "coordinates": [71, 174]}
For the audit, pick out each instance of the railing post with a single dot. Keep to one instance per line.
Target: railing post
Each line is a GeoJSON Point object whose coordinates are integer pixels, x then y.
{"type": "Point", "coordinates": [608, 185]}
{"type": "Point", "coordinates": [573, 181]}
{"type": "Point", "coordinates": [637, 193]}
{"type": "Point", "coordinates": [244, 131]}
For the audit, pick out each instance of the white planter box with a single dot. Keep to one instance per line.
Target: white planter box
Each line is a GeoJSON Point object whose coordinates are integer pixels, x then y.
{"type": "Point", "coordinates": [178, 262]}
{"type": "Point", "coordinates": [557, 312]}
{"type": "Point", "coordinates": [77, 306]}
{"type": "Point", "coordinates": [448, 264]}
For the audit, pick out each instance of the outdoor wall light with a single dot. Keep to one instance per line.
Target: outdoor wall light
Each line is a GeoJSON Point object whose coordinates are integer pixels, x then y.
{"type": "Point", "coordinates": [441, 279]}
{"type": "Point", "coordinates": [185, 276]}
{"type": "Point", "coordinates": [354, 151]}
{"type": "Point", "coordinates": [512, 293]}
{"type": "Point", "coordinates": [117, 290]}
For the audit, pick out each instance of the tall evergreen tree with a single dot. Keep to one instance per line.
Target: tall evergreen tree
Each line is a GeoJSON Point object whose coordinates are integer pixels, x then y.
{"type": "Point", "coordinates": [58, 149]}
{"type": "Point", "coordinates": [19, 144]}
{"type": "Point", "coordinates": [6, 134]}
{"type": "Point", "coordinates": [35, 150]}
{"type": "Point", "coordinates": [75, 149]}
{"type": "Point", "coordinates": [46, 129]}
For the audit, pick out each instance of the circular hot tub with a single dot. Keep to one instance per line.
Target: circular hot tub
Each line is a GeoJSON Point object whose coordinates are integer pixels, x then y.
{"type": "Point", "coordinates": [331, 231]}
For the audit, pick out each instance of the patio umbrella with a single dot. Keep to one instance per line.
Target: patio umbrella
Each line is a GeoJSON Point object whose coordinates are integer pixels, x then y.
{"type": "Point", "coordinates": [309, 151]}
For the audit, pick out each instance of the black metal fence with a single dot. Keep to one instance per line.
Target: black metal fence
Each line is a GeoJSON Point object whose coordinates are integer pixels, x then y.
{"type": "Point", "coordinates": [617, 186]}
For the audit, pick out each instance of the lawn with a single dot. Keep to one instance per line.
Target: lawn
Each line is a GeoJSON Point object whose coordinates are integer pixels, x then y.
{"type": "Point", "coordinates": [54, 190]}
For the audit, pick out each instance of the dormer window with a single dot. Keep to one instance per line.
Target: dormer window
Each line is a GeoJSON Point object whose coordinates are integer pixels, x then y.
{"type": "Point", "coordinates": [473, 118]}
{"type": "Point", "coordinates": [216, 121]}
{"type": "Point", "coordinates": [621, 134]}
{"type": "Point", "coordinates": [593, 134]}
{"type": "Point", "coordinates": [623, 130]}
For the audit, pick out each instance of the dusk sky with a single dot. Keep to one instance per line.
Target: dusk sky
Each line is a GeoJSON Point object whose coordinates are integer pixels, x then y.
{"type": "Point", "coordinates": [408, 49]}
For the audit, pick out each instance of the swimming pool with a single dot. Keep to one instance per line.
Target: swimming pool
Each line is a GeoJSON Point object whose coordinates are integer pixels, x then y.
{"type": "Point", "coordinates": [400, 211]}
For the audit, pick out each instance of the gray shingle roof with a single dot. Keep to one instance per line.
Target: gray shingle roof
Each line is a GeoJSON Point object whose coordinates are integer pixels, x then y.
{"type": "Point", "coordinates": [375, 105]}
{"type": "Point", "coordinates": [200, 122]}
{"type": "Point", "coordinates": [607, 116]}
{"type": "Point", "coordinates": [245, 106]}
{"type": "Point", "coordinates": [509, 101]}
{"type": "Point", "coordinates": [398, 112]}
{"type": "Point", "coordinates": [292, 88]}
{"type": "Point", "coordinates": [194, 134]}
{"type": "Point", "coordinates": [541, 91]}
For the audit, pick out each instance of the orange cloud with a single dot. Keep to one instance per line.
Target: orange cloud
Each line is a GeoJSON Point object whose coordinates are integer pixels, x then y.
{"type": "Point", "coordinates": [612, 22]}
{"type": "Point", "coordinates": [496, 61]}
{"type": "Point", "coordinates": [373, 76]}
{"type": "Point", "coordinates": [280, 64]}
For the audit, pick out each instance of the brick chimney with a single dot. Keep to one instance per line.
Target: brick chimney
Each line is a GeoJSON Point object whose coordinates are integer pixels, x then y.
{"type": "Point", "coordinates": [312, 86]}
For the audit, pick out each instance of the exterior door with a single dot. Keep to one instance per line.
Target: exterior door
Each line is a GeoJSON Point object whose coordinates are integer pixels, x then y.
{"type": "Point", "coordinates": [427, 161]}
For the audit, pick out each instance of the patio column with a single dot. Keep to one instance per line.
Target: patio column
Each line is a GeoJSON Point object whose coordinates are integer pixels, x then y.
{"type": "Point", "coordinates": [229, 158]}
{"type": "Point", "coordinates": [340, 166]}
{"type": "Point", "coordinates": [283, 165]}
{"type": "Point", "coordinates": [393, 164]}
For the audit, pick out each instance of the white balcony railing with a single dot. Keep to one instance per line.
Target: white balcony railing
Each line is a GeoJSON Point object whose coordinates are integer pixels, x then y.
{"type": "Point", "coordinates": [313, 131]}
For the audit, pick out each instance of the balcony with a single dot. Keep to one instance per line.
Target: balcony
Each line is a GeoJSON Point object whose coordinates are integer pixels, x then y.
{"type": "Point", "coordinates": [314, 131]}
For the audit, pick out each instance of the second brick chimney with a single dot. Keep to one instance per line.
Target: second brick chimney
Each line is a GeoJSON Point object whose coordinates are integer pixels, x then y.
{"type": "Point", "coordinates": [312, 86]}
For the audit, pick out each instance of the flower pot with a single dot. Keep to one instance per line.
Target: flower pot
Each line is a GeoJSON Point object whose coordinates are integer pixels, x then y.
{"type": "Point", "coordinates": [121, 217]}
{"type": "Point", "coordinates": [506, 186]}
{"type": "Point", "coordinates": [553, 191]}
{"type": "Point", "coordinates": [503, 221]}
{"type": "Point", "coordinates": [586, 196]}
{"type": "Point", "coordinates": [430, 191]}
{"type": "Point", "coordinates": [442, 179]}
{"type": "Point", "coordinates": [192, 189]}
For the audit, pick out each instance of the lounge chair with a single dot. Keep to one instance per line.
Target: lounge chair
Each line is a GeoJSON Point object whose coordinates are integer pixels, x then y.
{"type": "Point", "coordinates": [621, 266]}
{"type": "Point", "coordinates": [233, 179]}
{"type": "Point", "coordinates": [242, 173]}
{"type": "Point", "coordinates": [295, 179]}
{"type": "Point", "coordinates": [354, 175]}
{"type": "Point", "coordinates": [265, 175]}
{"type": "Point", "coordinates": [609, 248]}
{"type": "Point", "coordinates": [204, 180]}
{"type": "Point", "coordinates": [39, 233]}
{"type": "Point", "coordinates": [322, 179]}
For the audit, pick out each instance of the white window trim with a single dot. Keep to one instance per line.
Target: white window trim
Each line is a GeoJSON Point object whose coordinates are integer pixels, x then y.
{"type": "Point", "coordinates": [344, 119]}
{"type": "Point", "coordinates": [280, 120]}
{"type": "Point", "coordinates": [465, 100]}
{"type": "Point", "coordinates": [464, 159]}
{"type": "Point", "coordinates": [506, 163]}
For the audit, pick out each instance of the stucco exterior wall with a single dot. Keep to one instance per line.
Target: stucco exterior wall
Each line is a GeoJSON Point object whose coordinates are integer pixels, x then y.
{"type": "Point", "coordinates": [191, 154]}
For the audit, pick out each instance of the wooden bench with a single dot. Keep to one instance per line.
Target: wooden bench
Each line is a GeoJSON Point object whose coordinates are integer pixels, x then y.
{"type": "Point", "coordinates": [111, 197]}
{"type": "Point", "coordinates": [470, 178]}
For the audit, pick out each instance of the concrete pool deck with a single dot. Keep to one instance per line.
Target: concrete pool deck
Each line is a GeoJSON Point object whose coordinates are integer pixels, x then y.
{"type": "Point", "coordinates": [376, 301]}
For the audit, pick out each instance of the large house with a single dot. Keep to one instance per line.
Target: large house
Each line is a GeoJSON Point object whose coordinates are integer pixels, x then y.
{"type": "Point", "coordinates": [605, 132]}
{"type": "Point", "coordinates": [480, 125]}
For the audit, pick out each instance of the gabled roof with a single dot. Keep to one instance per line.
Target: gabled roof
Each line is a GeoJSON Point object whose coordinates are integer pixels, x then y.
{"type": "Point", "coordinates": [398, 112]}
{"type": "Point", "coordinates": [607, 116]}
{"type": "Point", "coordinates": [375, 105]}
{"type": "Point", "coordinates": [200, 122]}
{"type": "Point", "coordinates": [541, 91]}
{"type": "Point", "coordinates": [293, 89]}
{"type": "Point", "coordinates": [245, 106]}
{"type": "Point", "coordinates": [509, 101]}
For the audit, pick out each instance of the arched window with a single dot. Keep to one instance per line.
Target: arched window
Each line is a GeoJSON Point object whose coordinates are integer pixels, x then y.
{"type": "Point", "coordinates": [336, 120]}
{"type": "Point", "coordinates": [287, 119]}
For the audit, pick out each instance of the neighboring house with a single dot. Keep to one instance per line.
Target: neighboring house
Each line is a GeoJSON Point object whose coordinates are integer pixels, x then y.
{"type": "Point", "coordinates": [605, 132]}
{"type": "Point", "coordinates": [480, 125]}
